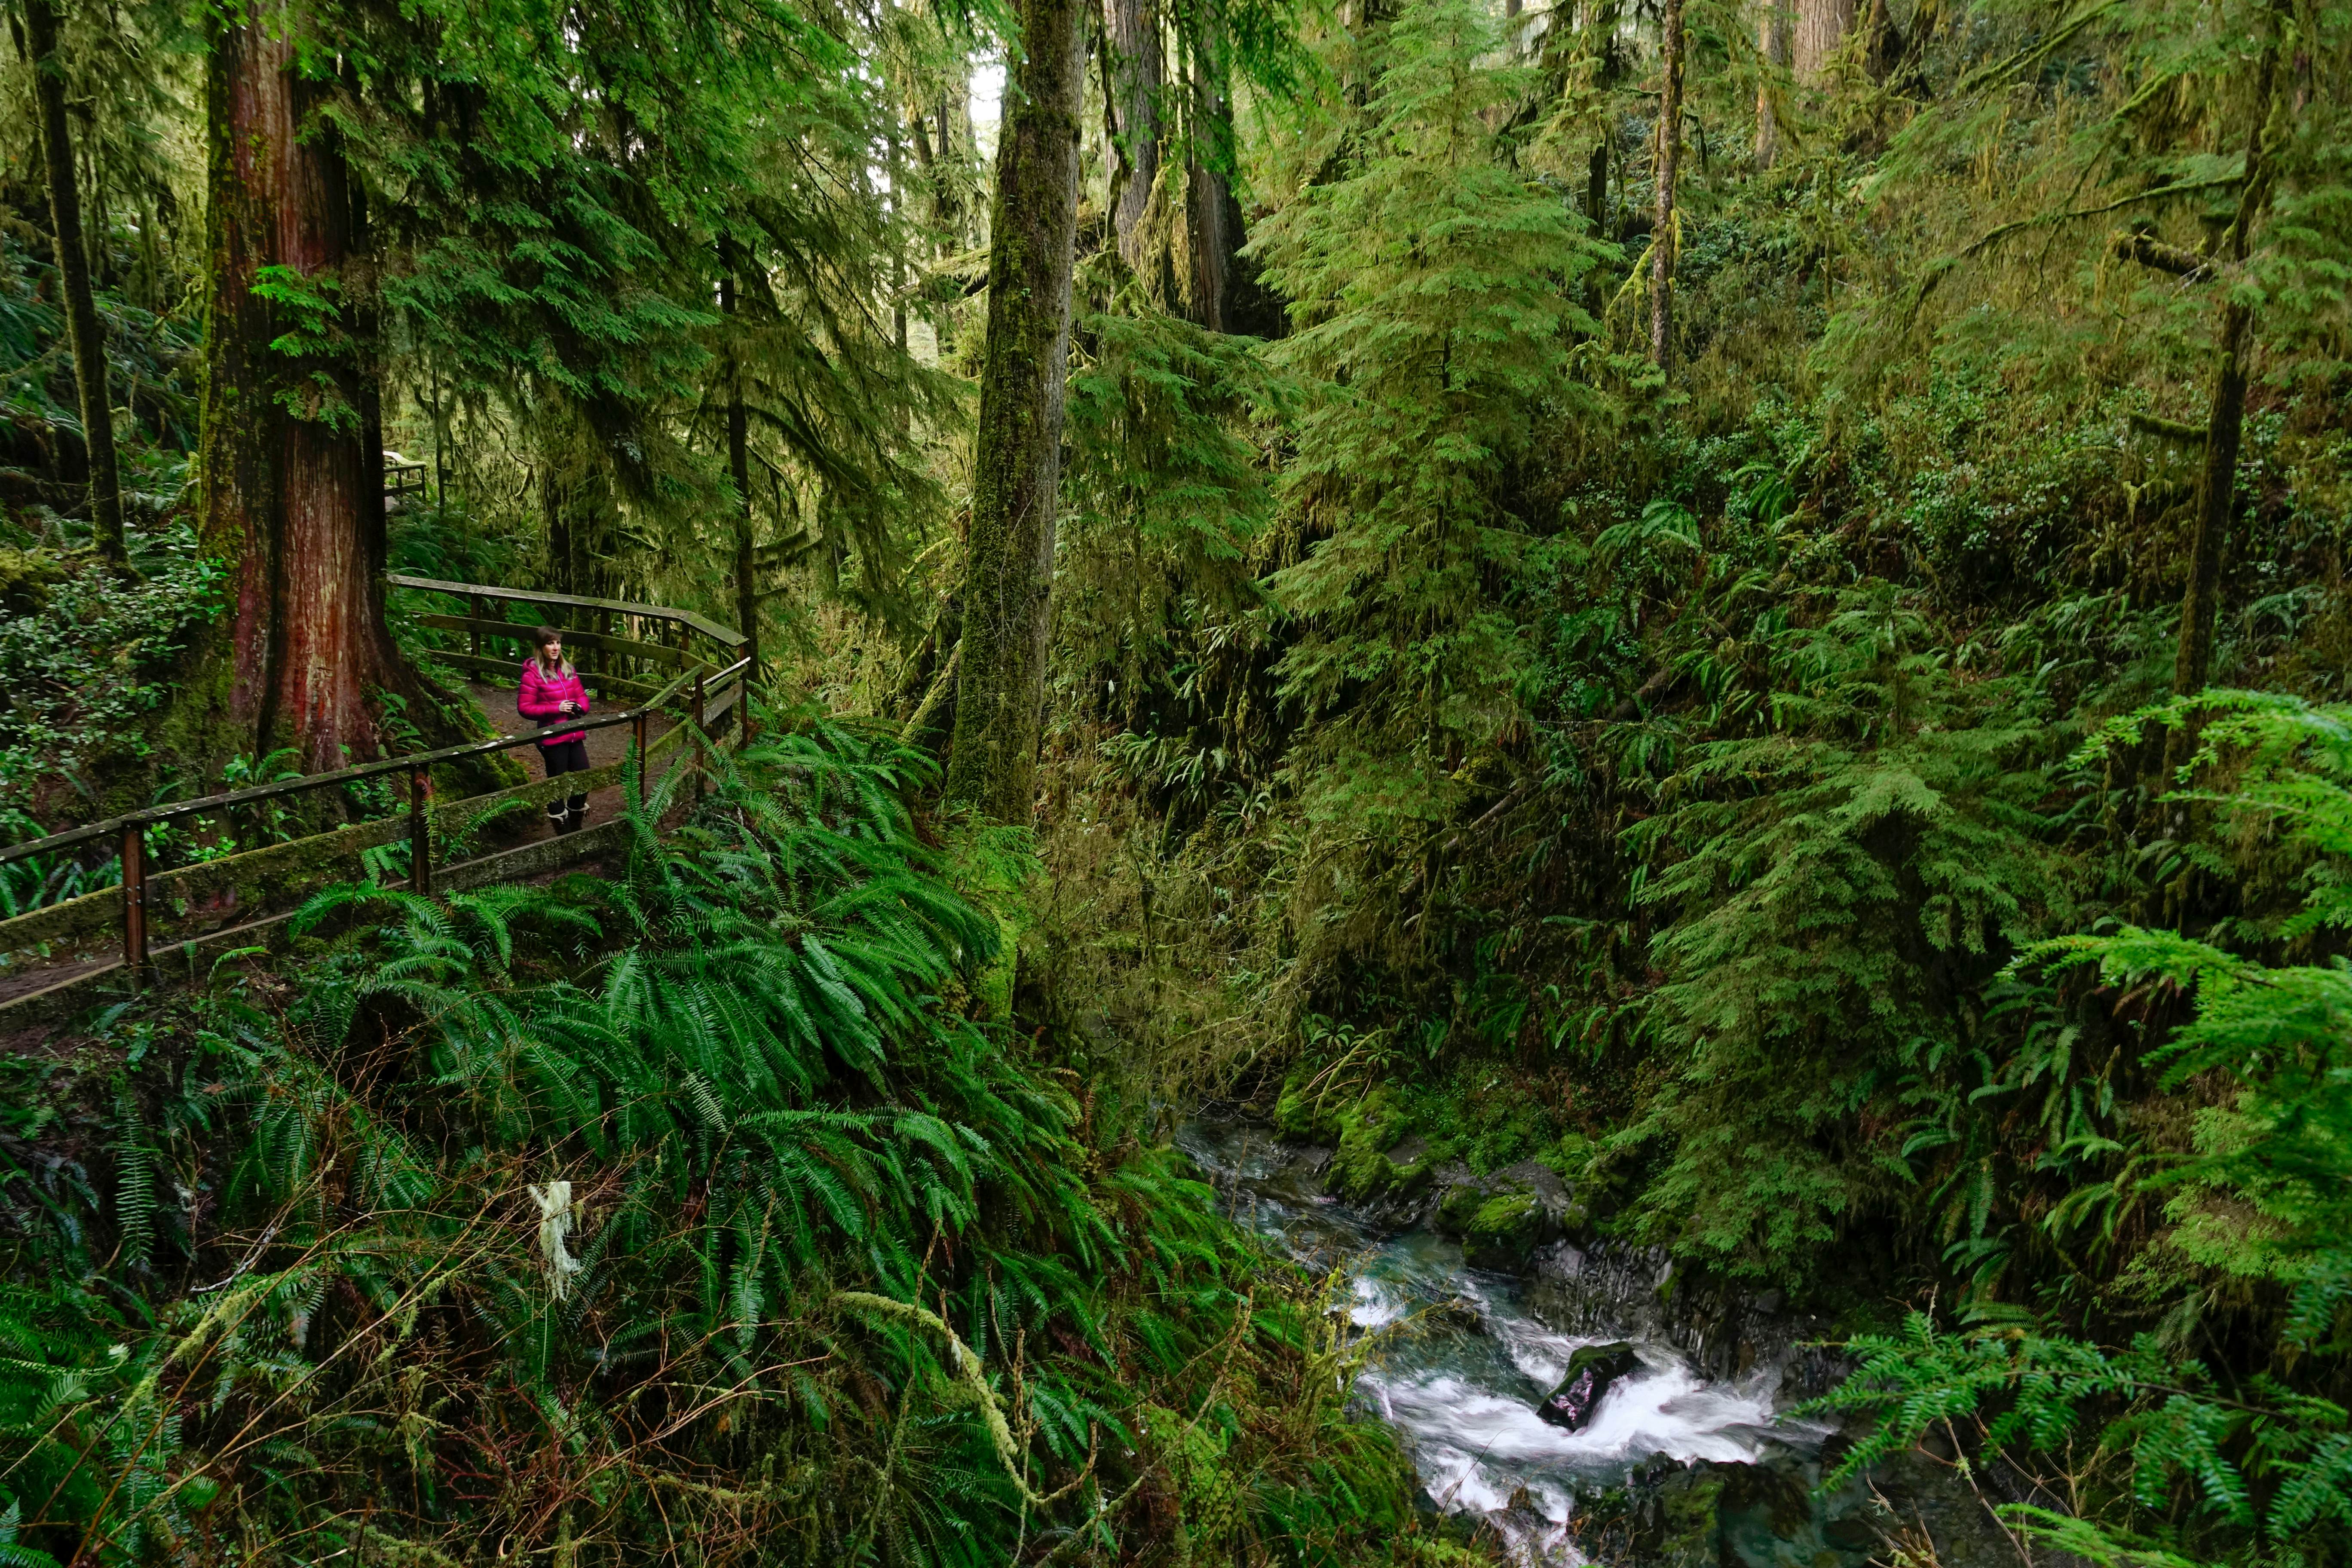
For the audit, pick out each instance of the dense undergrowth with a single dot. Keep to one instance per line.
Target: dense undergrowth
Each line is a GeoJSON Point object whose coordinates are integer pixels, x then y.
{"type": "Point", "coordinates": [1681, 785]}
{"type": "Point", "coordinates": [89, 653]}
{"type": "Point", "coordinates": [689, 1205]}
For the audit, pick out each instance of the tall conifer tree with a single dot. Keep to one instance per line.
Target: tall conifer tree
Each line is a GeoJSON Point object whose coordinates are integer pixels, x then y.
{"type": "Point", "coordinates": [292, 453]}
{"type": "Point", "coordinates": [84, 333]}
{"type": "Point", "coordinates": [1009, 555]}
{"type": "Point", "coordinates": [1665, 238]}
{"type": "Point", "coordinates": [1432, 295]}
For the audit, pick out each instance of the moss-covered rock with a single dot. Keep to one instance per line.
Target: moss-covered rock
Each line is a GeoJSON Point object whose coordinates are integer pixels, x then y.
{"type": "Point", "coordinates": [1371, 1131]}
{"type": "Point", "coordinates": [1592, 1372]}
{"type": "Point", "coordinates": [1504, 1229]}
{"type": "Point", "coordinates": [995, 867]}
{"type": "Point", "coordinates": [26, 578]}
{"type": "Point", "coordinates": [1457, 1206]}
{"type": "Point", "coordinates": [1666, 1516]}
{"type": "Point", "coordinates": [1303, 1112]}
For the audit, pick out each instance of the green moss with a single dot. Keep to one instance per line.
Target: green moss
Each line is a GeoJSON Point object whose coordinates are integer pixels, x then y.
{"type": "Point", "coordinates": [26, 578]}
{"type": "Point", "coordinates": [1303, 1112]}
{"type": "Point", "coordinates": [1503, 1229]}
{"type": "Point", "coordinates": [1506, 1217]}
{"type": "Point", "coordinates": [995, 867]}
{"type": "Point", "coordinates": [1692, 1521]}
{"type": "Point", "coordinates": [1571, 1156]}
{"type": "Point", "coordinates": [1458, 1208]}
{"type": "Point", "coordinates": [1368, 1131]}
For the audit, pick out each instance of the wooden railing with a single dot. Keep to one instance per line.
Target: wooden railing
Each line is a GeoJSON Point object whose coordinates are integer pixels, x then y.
{"type": "Point", "coordinates": [699, 683]}
{"type": "Point", "coordinates": [597, 627]}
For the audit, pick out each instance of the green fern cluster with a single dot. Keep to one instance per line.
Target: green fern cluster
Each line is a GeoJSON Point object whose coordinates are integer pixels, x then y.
{"type": "Point", "coordinates": [682, 1214]}
{"type": "Point", "coordinates": [2193, 1460]}
{"type": "Point", "coordinates": [1836, 882]}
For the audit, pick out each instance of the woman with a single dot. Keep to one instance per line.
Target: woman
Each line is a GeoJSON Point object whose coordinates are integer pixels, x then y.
{"type": "Point", "coordinates": [551, 690]}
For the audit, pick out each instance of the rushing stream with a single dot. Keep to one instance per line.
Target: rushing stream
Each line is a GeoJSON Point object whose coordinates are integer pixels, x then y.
{"type": "Point", "coordinates": [1468, 1360]}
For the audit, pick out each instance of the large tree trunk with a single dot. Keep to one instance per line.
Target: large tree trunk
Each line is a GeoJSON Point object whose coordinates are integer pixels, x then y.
{"type": "Point", "coordinates": [1774, 45]}
{"type": "Point", "coordinates": [1222, 286]}
{"type": "Point", "coordinates": [739, 471]}
{"type": "Point", "coordinates": [1213, 219]}
{"type": "Point", "coordinates": [1821, 27]}
{"type": "Point", "coordinates": [575, 503]}
{"type": "Point", "coordinates": [2217, 484]}
{"type": "Point", "coordinates": [85, 335]}
{"type": "Point", "coordinates": [1209, 223]}
{"type": "Point", "coordinates": [1009, 555]}
{"type": "Point", "coordinates": [1662, 238]}
{"type": "Point", "coordinates": [292, 493]}
{"type": "Point", "coordinates": [1132, 70]}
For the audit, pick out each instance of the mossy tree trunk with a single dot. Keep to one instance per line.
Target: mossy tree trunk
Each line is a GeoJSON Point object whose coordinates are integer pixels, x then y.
{"type": "Point", "coordinates": [292, 487]}
{"type": "Point", "coordinates": [1009, 555]}
{"type": "Point", "coordinates": [1213, 220]}
{"type": "Point", "coordinates": [85, 334]}
{"type": "Point", "coordinates": [1774, 46]}
{"type": "Point", "coordinates": [1669, 157]}
{"type": "Point", "coordinates": [1225, 293]}
{"type": "Point", "coordinates": [576, 507]}
{"type": "Point", "coordinates": [1132, 72]}
{"type": "Point", "coordinates": [2217, 486]}
{"type": "Point", "coordinates": [739, 473]}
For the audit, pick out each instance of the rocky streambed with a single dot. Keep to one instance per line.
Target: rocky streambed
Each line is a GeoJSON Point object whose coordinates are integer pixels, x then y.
{"type": "Point", "coordinates": [1479, 1291]}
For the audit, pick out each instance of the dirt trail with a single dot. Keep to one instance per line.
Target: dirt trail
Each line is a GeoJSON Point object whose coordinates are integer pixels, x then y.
{"type": "Point", "coordinates": [496, 701]}
{"type": "Point", "coordinates": [606, 745]}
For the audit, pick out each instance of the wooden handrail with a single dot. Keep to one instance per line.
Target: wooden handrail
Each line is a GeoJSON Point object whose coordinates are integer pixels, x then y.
{"type": "Point", "coordinates": [731, 640]}
{"type": "Point", "coordinates": [515, 631]}
{"type": "Point", "coordinates": [131, 826]}
{"type": "Point", "coordinates": [701, 675]}
{"type": "Point", "coordinates": [150, 815]}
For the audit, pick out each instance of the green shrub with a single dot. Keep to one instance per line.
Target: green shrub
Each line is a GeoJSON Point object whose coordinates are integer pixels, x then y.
{"type": "Point", "coordinates": [1836, 884]}
{"type": "Point", "coordinates": [2164, 1452]}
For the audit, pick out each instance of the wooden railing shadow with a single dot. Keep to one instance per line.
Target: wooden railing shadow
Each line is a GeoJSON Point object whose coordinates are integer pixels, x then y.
{"type": "Point", "coordinates": [161, 924]}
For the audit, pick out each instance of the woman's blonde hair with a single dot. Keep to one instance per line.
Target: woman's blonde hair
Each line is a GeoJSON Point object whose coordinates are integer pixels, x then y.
{"type": "Point", "coordinates": [538, 641]}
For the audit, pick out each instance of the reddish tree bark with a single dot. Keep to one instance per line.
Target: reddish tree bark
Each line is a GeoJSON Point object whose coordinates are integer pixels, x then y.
{"type": "Point", "coordinates": [1223, 290]}
{"type": "Point", "coordinates": [293, 489]}
{"type": "Point", "coordinates": [1662, 244]}
{"type": "Point", "coordinates": [1775, 46]}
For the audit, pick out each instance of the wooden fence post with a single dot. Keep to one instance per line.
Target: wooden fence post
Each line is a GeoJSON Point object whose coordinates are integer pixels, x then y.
{"type": "Point", "coordinates": [134, 899]}
{"type": "Point", "coordinates": [420, 831]}
{"type": "Point", "coordinates": [701, 762]}
{"type": "Point", "coordinates": [637, 728]}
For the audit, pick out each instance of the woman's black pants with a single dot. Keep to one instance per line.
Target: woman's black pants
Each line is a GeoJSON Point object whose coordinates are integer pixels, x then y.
{"type": "Point", "coordinates": [566, 757]}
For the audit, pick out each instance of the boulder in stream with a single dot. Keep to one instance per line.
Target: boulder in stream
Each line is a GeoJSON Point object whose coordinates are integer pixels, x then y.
{"type": "Point", "coordinates": [1592, 1371]}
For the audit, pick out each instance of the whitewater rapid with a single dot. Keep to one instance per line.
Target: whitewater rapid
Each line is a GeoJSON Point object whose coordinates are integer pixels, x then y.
{"type": "Point", "coordinates": [1457, 1362]}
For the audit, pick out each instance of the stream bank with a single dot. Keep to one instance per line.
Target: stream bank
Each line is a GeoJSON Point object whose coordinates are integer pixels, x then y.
{"type": "Point", "coordinates": [1691, 1461]}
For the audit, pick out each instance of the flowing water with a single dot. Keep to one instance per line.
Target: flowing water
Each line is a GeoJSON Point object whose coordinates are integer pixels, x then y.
{"type": "Point", "coordinates": [1465, 1358]}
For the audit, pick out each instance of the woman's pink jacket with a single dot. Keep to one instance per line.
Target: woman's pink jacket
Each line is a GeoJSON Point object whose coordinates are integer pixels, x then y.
{"type": "Point", "coordinates": [542, 697]}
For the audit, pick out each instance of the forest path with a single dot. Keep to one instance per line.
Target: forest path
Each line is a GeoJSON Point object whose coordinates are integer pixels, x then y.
{"type": "Point", "coordinates": [496, 701]}
{"type": "Point", "coordinates": [610, 744]}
